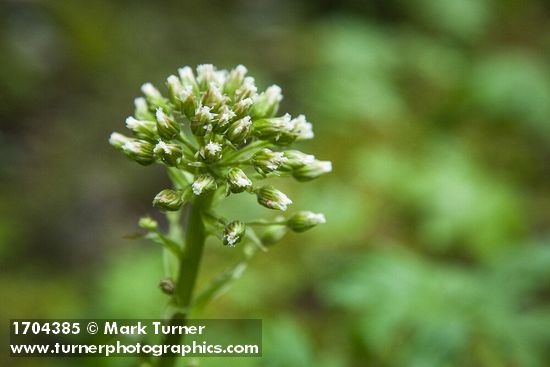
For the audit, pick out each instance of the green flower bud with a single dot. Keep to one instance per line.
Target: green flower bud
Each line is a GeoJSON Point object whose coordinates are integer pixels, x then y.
{"type": "Point", "coordinates": [142, 129]}
{"type": "Point", "coordinates": [141, 110]}
{"type": "Point", "coordinates": [188, 101]}
{"type": "Point", "coordinates": [118, 140]}
{"type": "Point", "coordinates": [296, 159]}
{"type": "Point", "coordinates": [153, 96]}
{"type": "Point", "coordinates": [188, 78]}
{"type": "Point", "coordinates": [211, 152]}
{"type": "Point", "coordinates": [140, 151]}
{"type": "Point", "coordinates": [168, 153]}
{"type": "Point", "coordinates": [242, 107]}
{"type": "Point", "coordinates": [274, 128]}
{"type": "Point", "coordinates": [233, 233]}
{"type": "Point", "coordinates": [302, 129]}
{"type": "Point", "coordinates": [207, 74]}
{"type": "Point", "coordinates": [304, 220]}
{"type": "Point", "coordinates": [238, 181]}
{"type": "Point", "coordinates": [235, 79]}
{"type": "Point", "coordinates": [175, 88]}
{"type": "Point", "coordinates": [273, 234]}
{"type": "Point", "coordinates": [239, 130]}
{"type": "Point", "coordinates": [267, 103]}
{"type": "Point", "coordinates": [203, 183]}
{"type": "Point", "coordinates": [266, 161]}
{"type": "Point", "coordinates": [213, 97]}
{"type": "Point", "coordinates": [312, 170]}
{"type": "Point", "coordinates": [272, 198]}
{"type": "Point", "coordinates": [201, 124]}
{"type": "Point", "coordinates": [246, 90]}
{"type": "Point", "coordinates": [167, 286]}
{"type": "Point", "coordinates": [225, 117]}
{"type": "Point", "coordinates": [148, 223]}
{"type": "Point", "coordinates": [167, 127]}
{"type": "Point", "coordinates": [168, 199]}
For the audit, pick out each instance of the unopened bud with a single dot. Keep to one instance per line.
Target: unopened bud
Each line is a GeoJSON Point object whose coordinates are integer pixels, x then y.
{"type": "Point", "coordinates": [142, 129]}
{"type": "Point", "coordinates": [273, 234]}
{"type": "Point", "coordinates": [188, 101]}
{"type": "Point", "coordinates": [242, 107]}
{"type": "Point", "coordinates": [203, 183]}
{"type": "Point", "coordinates": [118, 140]}
{"type": "Point", "coordinates": [304, 220]}
{"type": "Point", "coordinates": [238, 181]}
{"type": "Point", "coordinates": [148, 223]}
{"type": "Point", "coordinates": [239, 130]}
{"type": "Point", "coordinates": [168, 199]}
{"type": "Point", "coordinates": [211, 152]}
{"type": "Point", "coordinates": [272, 198]}
{"type": "Point", "coordinates": [153, 96]}
{"type": "Point", "coordinates": [235, 79]}
{"type": "Point", "coordinates": [174, 88]}
{"type": "Point", "coordinates": [168, 153]}
{"type": "Point", "coordinates": [141, 110]}
{"type": "Point", "coordinates": [140, 151]}
{"type": "Point", "coordinates": [266, 161]}
{"type": "Point", "coordinates": [295, 160]}
{"type": "Point", "coordinates": [225, 117]}
{"type": "Point", "coordinates": [207, 74]}
{"type": "Point", "coordinates": [187, 77]}
{"type": "Point", "coordinates": [267, 103]}
{"type": "Point", "coordinates": [312, 170]}
{"type": "Point", "coordinates": [302, 129]}
{"type": "Point", "coordinates": [246, 90]}
{"type": "Point", "coordinates": [213, 97]}
{"type": "Point", "coordinates": [233, 233]}
{"type": "Point", "coordinates": [201, 124]}
{"type": "Point", "coordinates": [275, 129]}
{"type": "Point", "coordinates": [167, 127]}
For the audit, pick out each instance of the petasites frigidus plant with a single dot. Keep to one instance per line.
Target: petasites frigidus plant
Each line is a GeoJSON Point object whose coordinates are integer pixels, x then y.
{"type": "Point", "coordinates": [217, 136]}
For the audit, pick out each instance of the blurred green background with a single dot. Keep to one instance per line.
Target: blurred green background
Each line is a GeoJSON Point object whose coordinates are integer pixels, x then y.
{"type": "Point", "coordinates": [436, 115]}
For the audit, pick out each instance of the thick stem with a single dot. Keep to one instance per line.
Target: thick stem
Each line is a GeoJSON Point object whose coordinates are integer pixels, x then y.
{"type": "Point", "coordinates": [188, 270]}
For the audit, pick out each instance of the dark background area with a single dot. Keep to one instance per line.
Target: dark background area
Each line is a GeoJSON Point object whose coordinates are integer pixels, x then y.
{"type": "Point", "coordinates": [436, 115]}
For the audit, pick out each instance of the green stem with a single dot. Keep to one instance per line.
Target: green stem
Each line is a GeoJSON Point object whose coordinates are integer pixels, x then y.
{"type": "Point", "coordinates": [188, 270]}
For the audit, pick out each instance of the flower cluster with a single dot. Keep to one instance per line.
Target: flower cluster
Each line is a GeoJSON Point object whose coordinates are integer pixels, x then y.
{"type": "Point", "coordinates": [222, 134]}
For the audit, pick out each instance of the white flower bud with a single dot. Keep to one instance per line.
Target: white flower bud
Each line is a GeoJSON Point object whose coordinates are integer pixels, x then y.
{"type": "Point", "coordinates": [153, 96]}
{"type": "Point", "coordinates": [235, 79]}
{"type": "Point", "coordinates": [187, 77]}
{"type": "Point", "coordinates": [207, 74]}
{"type": "Point", "coordinates": [239, 130]}
{"type": "Point", "coordinates": [142, 129]}
{"type": "Point", "coordinates": [304, 220]}
{"type": "Point", "coordinates": [233, 233]}
{"type": "Point", "coordinates": [312, 170]}
{"type": "Point", "coordinates": [118, 140]}
{"type": "Point", "coordinates": [167, 127]}
{"type": "Point", "coordinates": [213, 97]}
{"type": "Point", "coordinates": [168, 153]}
{"type": "Point", "coordinates": [201, 124]}
{"type": "Point", "coordinates": [203, 183]}
{"type": "Point", "coordinates": [238, 181]}
{"type": "Point", "coordinates": [188, 101]}
{"type": "Point", "coordinates": [211, 152]}
{"type": "Point", "coordinates": [266, 161]}
{"type": "Point", "coordinates": [242, 107]}
{"type": "Point", "coordinates": [168, 199]}
{"type": "Point", "coordinates": [275, 129]}
{"type": "Point", "coordinates": [225, 117]}
{"type": "Point", "coordinates": [175, 88]}
{"type": "Point", "coordinates": [140, 151]}
{"type": "Point", "coordinates": [267, 103]}
{"type": "Point", "coordinates": [302, 128]}
{"type": "Point", "coordinates": [272, 198]}
{"type": "Point", "coordinates": [246, 90]}
{"type": "Point", "coordinates": [141, 110]}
